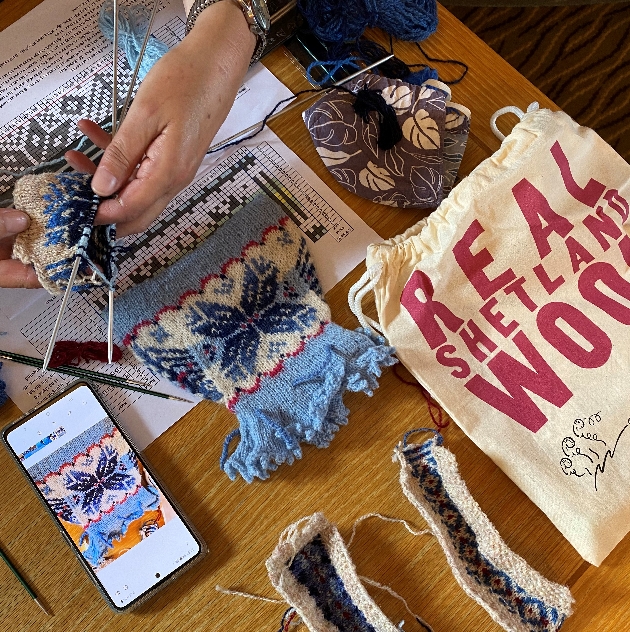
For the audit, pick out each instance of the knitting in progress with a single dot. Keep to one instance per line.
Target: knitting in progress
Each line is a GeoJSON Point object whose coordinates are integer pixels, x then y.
{"type": "Point", "coordinates": [241, 320]}
{"type": "Point", "coordinates": [515, 595]}
{"type": "Point", "coordinates": [312, 570]}
{"type": "Point", "coordinates": [61, 208]}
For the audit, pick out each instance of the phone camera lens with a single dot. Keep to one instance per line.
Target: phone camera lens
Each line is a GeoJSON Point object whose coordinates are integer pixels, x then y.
{"type": "Point", "coordinates": [157, 575]}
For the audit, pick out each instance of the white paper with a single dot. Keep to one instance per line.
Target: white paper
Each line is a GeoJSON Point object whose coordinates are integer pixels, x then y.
{"type": "Point", "coordinates": [226, 181]}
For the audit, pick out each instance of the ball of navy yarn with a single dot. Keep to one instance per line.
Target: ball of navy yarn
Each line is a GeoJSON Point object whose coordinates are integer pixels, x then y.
{"type": "Point", "coordinates": [337, 21]}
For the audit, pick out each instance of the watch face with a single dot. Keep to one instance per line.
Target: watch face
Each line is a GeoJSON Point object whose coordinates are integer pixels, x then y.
{"type": "Point", "coordinates": [261, 13]}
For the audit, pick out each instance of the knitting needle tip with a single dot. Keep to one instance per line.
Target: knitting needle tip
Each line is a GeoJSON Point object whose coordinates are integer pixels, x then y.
{"type": "Point", "coordinates": [39, 603]}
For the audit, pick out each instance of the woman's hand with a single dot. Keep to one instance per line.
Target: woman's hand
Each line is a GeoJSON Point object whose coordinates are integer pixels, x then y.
{"type": "Point", "coordinates": [12, 272]}
{"type": "Point", "coordinates": [178, 109]}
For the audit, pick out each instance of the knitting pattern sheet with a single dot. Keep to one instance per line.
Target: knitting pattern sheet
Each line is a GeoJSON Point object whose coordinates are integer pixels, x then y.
{"type": "Point", "coordinates": [56, 68]}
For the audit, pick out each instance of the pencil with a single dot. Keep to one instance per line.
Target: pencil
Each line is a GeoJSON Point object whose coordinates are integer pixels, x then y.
{"type": "Point", "coordinates": [102, 378]}
{"type": "Point", "coordinates": [28, 589]}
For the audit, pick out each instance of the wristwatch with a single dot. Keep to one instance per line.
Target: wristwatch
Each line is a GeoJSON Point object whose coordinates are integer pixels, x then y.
{"type": "Point", "coordinates": [255, 12]}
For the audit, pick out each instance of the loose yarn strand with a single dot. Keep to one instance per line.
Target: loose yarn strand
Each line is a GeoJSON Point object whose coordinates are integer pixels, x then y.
{"type": "Point", "coordinates": [358, 521]}
{"type": "Point", "coordinates": [238, 593]}
{"type": "Point", "coordinates": [447, 61]}
{"type": "Point", "coordinates": [393, 593]}
{"type": "Point", "coordinates": [431, 403]}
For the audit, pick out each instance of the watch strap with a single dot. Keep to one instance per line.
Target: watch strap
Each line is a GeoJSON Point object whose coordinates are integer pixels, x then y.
{"type": "Point", "coordinates": [261, 39]}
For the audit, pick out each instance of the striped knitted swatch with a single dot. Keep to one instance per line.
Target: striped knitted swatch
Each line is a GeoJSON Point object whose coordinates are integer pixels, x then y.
{"type": "Point", "coordinates": [62, 209]}
{"type": "Point", "coordinates": [516, 596]}
{"type": "Point", "coordinates": [312, 570]}
{"type": "Point", "coordinates": [241, 320]}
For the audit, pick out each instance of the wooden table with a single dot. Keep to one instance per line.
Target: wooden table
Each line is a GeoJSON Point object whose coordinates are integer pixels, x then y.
{"type": "Point", "coordinates": [354, 476]}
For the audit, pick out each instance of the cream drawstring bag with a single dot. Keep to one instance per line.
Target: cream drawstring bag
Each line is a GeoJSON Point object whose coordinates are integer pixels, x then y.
{"type": "Point", "coordinates": [511, 304]}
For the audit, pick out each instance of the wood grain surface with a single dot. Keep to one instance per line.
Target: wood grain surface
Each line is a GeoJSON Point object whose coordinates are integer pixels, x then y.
{"type": "Point", "coordinates": [354, 476]}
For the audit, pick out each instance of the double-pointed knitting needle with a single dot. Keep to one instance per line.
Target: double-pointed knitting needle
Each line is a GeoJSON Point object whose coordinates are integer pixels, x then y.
{"type": "Point", "coordinates": [297, 104]}
{"type": "Point", "coordinates": [110, 293]}
{"type": "Point", "coordinates": [62, 309]}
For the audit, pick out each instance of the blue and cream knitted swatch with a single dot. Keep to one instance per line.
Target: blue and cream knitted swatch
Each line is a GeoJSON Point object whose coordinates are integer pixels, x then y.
{"type": "Point", "coordinates": [241, 320]}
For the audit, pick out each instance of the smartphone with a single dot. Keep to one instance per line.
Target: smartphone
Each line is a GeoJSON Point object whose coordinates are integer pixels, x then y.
{"type": "Point", "coordinates": [121, 522]}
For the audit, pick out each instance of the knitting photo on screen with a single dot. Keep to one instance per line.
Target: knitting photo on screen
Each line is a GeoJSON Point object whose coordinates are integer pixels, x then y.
{"type": "Point", "coordinates": [120, 521]}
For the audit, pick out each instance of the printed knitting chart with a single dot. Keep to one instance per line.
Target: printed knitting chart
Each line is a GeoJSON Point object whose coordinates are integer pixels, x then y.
{"type": "Point", "coordinates": [45, 127]}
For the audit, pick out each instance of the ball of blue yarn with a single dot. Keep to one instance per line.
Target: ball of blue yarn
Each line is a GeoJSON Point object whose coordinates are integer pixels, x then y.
{"type": "Point", "coordinates": [345, 20]}
{"type": "Point", "coordinates": [132, 24]}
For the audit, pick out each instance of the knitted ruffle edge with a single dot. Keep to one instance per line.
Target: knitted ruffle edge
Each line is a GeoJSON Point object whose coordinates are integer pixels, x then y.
{"type": "Point", "coordinates": [292, 560]}
{"type": "Point", "coordinates": [293, 407]}
{"type": "Point", "coordinates": [515, 595]}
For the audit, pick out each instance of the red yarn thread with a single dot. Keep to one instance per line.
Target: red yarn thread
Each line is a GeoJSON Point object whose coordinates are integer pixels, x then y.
{"type": "Point", "coordinates": [431, 404]}
{"type": "Point", "coordinates": [70, 353]}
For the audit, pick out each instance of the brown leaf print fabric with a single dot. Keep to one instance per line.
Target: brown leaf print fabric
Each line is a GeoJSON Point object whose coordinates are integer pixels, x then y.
{"type": "Point", "coordinates": [419, 169]}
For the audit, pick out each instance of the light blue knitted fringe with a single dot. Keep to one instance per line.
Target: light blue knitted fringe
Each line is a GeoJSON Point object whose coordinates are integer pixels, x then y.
{"type": "Point", "coordinates": [271, 432]}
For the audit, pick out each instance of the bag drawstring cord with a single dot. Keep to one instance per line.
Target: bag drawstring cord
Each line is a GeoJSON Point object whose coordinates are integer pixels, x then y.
{"type": "Point", "coordinates": [355, 296]}
{"type": "Point", "coordinates": [512, 109]}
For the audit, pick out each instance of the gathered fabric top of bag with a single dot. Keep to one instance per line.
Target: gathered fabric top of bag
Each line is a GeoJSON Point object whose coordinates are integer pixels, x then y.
{"type": "Point", "coordinates": [511, 304]}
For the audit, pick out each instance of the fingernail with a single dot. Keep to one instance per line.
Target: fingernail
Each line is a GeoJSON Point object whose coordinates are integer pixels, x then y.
{"type": "Point", "coordinates": [15, 222]}
{"type": "Point", "coordinates": [104, 182]}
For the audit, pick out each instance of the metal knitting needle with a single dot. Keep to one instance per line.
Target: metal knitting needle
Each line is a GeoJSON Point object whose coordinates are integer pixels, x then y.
{"type": "Point", "coordinates": [138, 63]}
{"type": "Point", "coordinates": [299, 103]}
{"type": "Point", "coordinates": [110, 293]}
{"type": "Point", "coordinates": [62, 309]}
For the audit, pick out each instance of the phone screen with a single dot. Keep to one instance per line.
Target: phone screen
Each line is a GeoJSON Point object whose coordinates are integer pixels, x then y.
{"type": "Point", "coordinates": [119, 520]}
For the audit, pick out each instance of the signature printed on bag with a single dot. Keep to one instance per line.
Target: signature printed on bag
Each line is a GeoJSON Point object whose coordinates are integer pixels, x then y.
{"type": "Point", "coordinates": [586, 453]}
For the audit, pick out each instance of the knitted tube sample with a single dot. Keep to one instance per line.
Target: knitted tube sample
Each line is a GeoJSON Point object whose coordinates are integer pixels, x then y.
{"type": "Point", "coordinates": [312, 570]}
{"type": "Point", "coordinates": [241, 320]}
{"type": "Point", "coordinates": [515, 595]}
{"type": "Point", "coordinates": [62, 209]}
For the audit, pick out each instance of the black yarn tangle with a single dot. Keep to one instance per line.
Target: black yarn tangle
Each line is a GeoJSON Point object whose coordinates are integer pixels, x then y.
{"type": "Point", "coordinates": [447, 61]}
{"type": "Point", "coordinates": [368, 101]}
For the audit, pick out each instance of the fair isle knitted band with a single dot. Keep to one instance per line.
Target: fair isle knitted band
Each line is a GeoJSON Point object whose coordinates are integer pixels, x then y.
{"type": "Point", "coordinates": [312, 570]}
{"type": "Point", "coordinates": [241, 320]}
{"type": "Point", "coordinates": [62, 209]}
{"type": "Point", "coordinates": [515, 595]}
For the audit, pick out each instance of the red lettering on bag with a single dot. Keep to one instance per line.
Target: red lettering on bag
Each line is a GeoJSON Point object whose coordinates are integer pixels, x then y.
{"type": "Point", "coordinates": [624, 247]}
{"type": "Point", "coordinates": [496, 318]}
{"type": "Point", "coordinates": [534, 206]}
{"type": "Point", "coordinates": [587, 195]}
{"type": "Point", "coordinates": [608, 275]}
{"type": "Point", "coordinates": [475, 338]}
{"type": "Point", "coordinates": [515, 378]}
{"type": "Point", "coordinates": [472, 265]}
{"type": "Point", "coordinates": [605, 225]}
{"type": "Point", "coordinates": [578, 253]}
{"type": "Point", "coordinates": [549, 285]}
{"type": "Point", "coordinates": [547, 318]}
{"type": "Point", "coordinates": [425, 313]}
{"type": "Point", "coordinates": [522, 295]}
{"type": "Point", "coordinates": [461, 366]}
{"type": "Point", "coordinates": [618, 203]}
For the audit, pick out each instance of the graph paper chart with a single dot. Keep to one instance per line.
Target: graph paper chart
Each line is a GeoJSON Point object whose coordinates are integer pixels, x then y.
{"type": "Point", "coordinates": [48, 129]}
